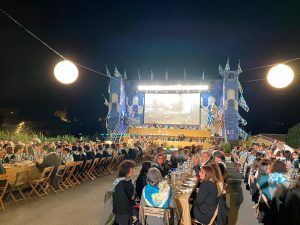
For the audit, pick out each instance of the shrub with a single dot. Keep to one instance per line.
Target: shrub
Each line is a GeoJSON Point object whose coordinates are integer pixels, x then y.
{"type": "Point", "coordinates": [293, 136]}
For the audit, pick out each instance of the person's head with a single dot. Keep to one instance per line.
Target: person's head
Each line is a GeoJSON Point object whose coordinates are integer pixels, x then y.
{"type": "Point", "coordinates": [124, 145]}
{"type": "Point", "coordinates": [287, 154]}
{"type": "Point", "coordinates": [205, 156]}
{"type": "Point", "coordinates": [65, 151]}
{"type": "Point", "coordinates": [207, 173]}
{"type": "Point", "coordinates": [146, 166]}
{"type": "Point", "coordinates": [154, 177]}
{"type": "Point", "coordinates": [126, 168]}
{"type": "Point", "coordinates": [175, 154]}
{"type": "Point", "coordinates": [278, 166]}
{"type": "Point", "coordinates": [50, 150]}
{"type": "Point", "coordinates": [18, 149]}
{"type": "Point", "coordinates": [265, 167]}
{"type": "Point", "coordinates": [9, 150]}
{"type": "Point", "coordinates": [86, 147]}
{"type": "Point", "coordinates": [217, 156]}
{"type": "Point", "coordinates": [2, 153]}
{"type": "Point", "coordinates": [160, 159]}
{"type": "Point", "coordinates": [295, 155]}
{"type": "Point", "coordinates": [100, 148]}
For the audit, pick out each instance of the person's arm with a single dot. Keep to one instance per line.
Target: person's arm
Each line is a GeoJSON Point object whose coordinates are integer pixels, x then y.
{"type": "Point", "coordinates": [201, 195]}
{"type": "Point", "coordinates": [129, 189]}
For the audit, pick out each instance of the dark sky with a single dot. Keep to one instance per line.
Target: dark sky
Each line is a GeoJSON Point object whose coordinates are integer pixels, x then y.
{"type": "Point", "coordinates": [195, 35]}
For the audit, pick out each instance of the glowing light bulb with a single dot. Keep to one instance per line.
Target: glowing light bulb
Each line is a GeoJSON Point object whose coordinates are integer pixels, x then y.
{"type": "Point", "coordinates": [280, 76]}
{"type": "Point", "coordinates": [66, 72]}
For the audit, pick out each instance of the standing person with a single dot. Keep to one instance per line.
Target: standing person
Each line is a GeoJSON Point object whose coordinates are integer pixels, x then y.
{"type": "Point", "coordinates": [206, 202]}
{"type": "Point", "coordinates": [123, 192]}
{"type": "Point", "coordinates": [292, 204]}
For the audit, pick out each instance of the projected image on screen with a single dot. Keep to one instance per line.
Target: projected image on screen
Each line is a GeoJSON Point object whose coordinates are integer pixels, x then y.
{"type": "Point", "coordinates": [172, 109]}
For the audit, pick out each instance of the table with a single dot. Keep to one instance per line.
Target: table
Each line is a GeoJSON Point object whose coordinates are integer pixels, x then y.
{"type": "Point", "coordinates": [183, 206]}
{"type": "Point", "coordinates": [30, 168]}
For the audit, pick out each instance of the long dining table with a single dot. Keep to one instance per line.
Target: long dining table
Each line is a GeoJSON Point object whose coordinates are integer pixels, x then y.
{"type": "Point", "coordinates": [28, 168]}
{"type": "Point", "coordinates": [182, 197]}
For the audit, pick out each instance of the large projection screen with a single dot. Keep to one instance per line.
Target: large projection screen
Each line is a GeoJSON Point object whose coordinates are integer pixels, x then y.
{"type": "Point", "coordinates": [172, 109]}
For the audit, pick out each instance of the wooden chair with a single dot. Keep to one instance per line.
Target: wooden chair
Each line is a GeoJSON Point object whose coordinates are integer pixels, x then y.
{"type": "Point", "coordinates": [74, 177]}
{"type": "Point", "coordinates": [99, 170]}
{"type": "Point", "coordinates": [60, 174]}
{"type": "Point", "coordinates": [86, 167]}
{"type": "Point", "coordinates": [42, 184]}
{"type": "Point", "coordinates": [105, 170]}
{"type": "Point", "coordinates": [156, 212]}
{"type": "Point", "coordinates": [119, 160]}
{"type": "Point", "coordinates": [90, 171]}
{"type": "Point", "coordinates": [212, 221]}
{"type": "Point", "coordinates": [19, 184]}
{"type": "Point", "coordinates": [67, 181]}
{"type": "Point", "coordinates": [3, 187]}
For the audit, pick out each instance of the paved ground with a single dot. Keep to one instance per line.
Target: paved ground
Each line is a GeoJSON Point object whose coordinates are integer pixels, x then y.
{"type": "Point", "coordinates": [240, 212]}
{"type": "Point", "coordinates": [83, 205]}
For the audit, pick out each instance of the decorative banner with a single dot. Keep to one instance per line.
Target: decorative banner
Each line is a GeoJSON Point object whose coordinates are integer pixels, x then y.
{"type": "Point", "coordinates": [243, 103]}
{"type": "Point", "coordinates": [117, 73]}
{"type": "Point", "coordinates": [210, 117]}
{"type": "Point", "coordinates": [242, 120]}
{"type": "Point", "coordinates": [240, 88]}
{"type": "Point", "coordinates": [222, 120]}
{"type": "Point", "coordinates": [125, 74]}
{"type": "Point", "coordinates": [227, 67]}
{"type": "Point", "coordinates": [243, 134]}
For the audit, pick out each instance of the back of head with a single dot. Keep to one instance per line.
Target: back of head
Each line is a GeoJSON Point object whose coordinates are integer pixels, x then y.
{"type": "Point", "coordinates": [154, 177]}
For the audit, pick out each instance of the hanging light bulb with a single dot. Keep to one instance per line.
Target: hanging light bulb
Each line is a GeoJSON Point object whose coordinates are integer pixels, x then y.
{"type": "Point", "coordinates": [66, 72]}
{"type": "Point", "coordinates": [280, 76]}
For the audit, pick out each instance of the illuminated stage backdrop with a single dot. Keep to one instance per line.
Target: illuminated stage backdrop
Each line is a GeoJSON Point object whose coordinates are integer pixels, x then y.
{"type": "Point", "coordinates": [179, 104]}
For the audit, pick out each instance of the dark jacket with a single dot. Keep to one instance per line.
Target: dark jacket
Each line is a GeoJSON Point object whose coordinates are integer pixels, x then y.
{"type": "Point", "coordinates": [206, 202]}
{"type": "Point", "coordinates": [174, 162]}
{"type": "Point", "coordinates": [2, 169]}
{"type": "Point", "coordinates": [132, 154]}
{"type": "Point", "coordinates": [164, 170]}
{"type": "Point", "coordinates": [124, 152]}
{"type": "Point", "coordinates": [292, 205]}
{"type": "Point", "coordinates": [122, 197]}
{"type": "Point", "coordinates": [105, 154]}
{"type": "Point", "coordinates": [141, 182]}
{"type": "Point", "coordinates": [52, 159]}
{"type": "Point", "coordinates": [90, 155]}
{"type": "Point", "coordinates": [98, 155]}
{"type": "Point", "coordinates": [77, 157]}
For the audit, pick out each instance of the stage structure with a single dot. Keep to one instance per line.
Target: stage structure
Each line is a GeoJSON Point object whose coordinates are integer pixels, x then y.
{"type": "Point", "coordinates": [202, 104]}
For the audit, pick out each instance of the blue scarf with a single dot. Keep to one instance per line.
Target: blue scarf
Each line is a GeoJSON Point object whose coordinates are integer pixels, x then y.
{"type": "Point", "coordinates": [157, 196]}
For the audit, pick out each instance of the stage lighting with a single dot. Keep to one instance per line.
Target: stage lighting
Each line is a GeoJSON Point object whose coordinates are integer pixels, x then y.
{"type": "Point", "coordinates": [173, 87]}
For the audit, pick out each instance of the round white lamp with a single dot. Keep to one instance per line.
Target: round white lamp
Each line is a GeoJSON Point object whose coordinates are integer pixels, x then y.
{"type": "Point", "coordinates": [280, 76]}
{"type": "Point", "coordinates": [66, 72]}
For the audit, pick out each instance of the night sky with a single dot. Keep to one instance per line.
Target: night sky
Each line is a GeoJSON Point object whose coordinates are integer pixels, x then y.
{"type": "Point", "coordinates": [147, 35]}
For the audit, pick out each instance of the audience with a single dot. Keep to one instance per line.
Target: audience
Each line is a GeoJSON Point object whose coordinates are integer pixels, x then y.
{"type": "Point", "coordinates": [141, 181]}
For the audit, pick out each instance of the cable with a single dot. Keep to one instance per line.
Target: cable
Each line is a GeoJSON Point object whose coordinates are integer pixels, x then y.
{"type": "Point", "coordinates": [51, 48]}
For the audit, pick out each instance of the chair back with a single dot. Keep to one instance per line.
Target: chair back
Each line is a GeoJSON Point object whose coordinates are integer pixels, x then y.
{"type": "Point", "coordinates": [156, 212]}
{"type": "Point", "coordinates": [87, 165]}
{"type": "Point", "coordinates": [3, 185]}
{"type": "Point", "coordinates": [46, 173]}
{"type": "Point", "coordinates": [214, 216]}
{"type": "Point", "coordinates": [93, 166]}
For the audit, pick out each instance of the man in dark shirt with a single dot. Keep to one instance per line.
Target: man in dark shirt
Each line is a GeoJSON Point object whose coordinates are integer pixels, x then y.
{"type": "Point", "coordinates": [2, 154]}
{"type": "Point", "coordinates": [52, 159]}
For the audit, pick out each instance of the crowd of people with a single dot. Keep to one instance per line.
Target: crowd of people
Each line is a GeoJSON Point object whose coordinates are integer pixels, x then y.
{"type": "Point", "coordinates": [271, 174]}
{"type": "Point", "coordinates": [152, 187]}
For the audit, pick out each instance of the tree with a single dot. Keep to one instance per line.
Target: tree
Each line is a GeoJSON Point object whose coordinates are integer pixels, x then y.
{"type": "Point", "coordinates": [293, 136]}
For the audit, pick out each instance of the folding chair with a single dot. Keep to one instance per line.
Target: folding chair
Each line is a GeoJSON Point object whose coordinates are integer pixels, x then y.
{"type": "Point", "coordinates": [3, 187]}
{"type": "Point", "coordinates": [74, 177]}
{"type": "Point", "coordinates": [156, 212]}
{"type": "Point", "coordinates": [67, 181]}
{"type": "Point", "coordinates": [89, 174]}
{"type": "Point", "coordinates": [86, 167]}
{"type": "Point", "coordinates": [99, 170]}
{"type": "Point", "coordinates": [42, 184]}
{"type": "Point", "coordinates": [17, 186]}
{"type": "Point", "coordinates": [106, 165]}
{"type": "Point", "coordinates": [116, 165]}
{"type": "Point", "coordinates": [212, 221]}
{"type": "Point", "coordinates": [60, 174]}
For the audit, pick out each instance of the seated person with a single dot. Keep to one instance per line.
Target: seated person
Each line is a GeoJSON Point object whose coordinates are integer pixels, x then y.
{"type": "Point", "coordinates": [89, 152]}
{"type": "Point", "coordinates": [218, 160]}
{"type": "Point", "coordinates": [66, 156]}
{"type": "Point", "coordinates": [141, 181]}
{"type": "Point", "coordinates": [76, 156]}
{"type": "Point", "coordinates": [99, 152]}
{"type": "Point", "coordinates": [124, 151]}
{"type": "Point", "coordinates": [9, 157]}
{"type": "Point", "coordinates": [159, 164]}
{"type": "Point", "coordinates": [106, 151]}
{"type": "Point", "coordinates": [157, 194]}
{"type": "Point", "coordinates": [52, 159]}
{"type": "Point", "coordinates": [205, 204]}
{"type": "Point", "coordinates": [2, 154]}
{"type": "Point", "coordinates": [174, 160]}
